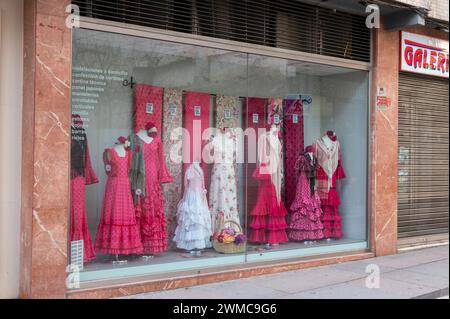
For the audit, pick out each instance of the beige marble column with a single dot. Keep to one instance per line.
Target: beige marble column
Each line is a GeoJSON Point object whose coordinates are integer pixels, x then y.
{"type": "Point", "coordinates": [46, 142]}
{"type": "Point", "coordinates": [384, 138]}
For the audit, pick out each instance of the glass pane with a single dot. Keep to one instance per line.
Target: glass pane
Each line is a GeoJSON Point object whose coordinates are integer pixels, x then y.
{"type": "Point", "coordinates": [129, 212]}
{"type": "Point", "coordinates": [187, 157]}
{"type": "Point", "coordinates": [315, 200]}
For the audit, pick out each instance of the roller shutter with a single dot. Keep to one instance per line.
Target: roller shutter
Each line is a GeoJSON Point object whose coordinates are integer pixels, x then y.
{"type": "Point", "coordinates": [423, 171]}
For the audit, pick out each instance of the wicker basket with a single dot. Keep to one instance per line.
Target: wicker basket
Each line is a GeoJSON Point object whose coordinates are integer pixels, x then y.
{"type": "Point", "coordinates": [230, 248]}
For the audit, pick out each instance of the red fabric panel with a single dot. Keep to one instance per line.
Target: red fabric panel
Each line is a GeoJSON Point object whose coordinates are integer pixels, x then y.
{"type": "Point", "coordinates": [294, 146]}
{"type": "Point", "coordinates": [145, 95]}
{"type": "Point", "coordinates": [254, 106]}
{"type": "Point", "coordinates": [195, 101]}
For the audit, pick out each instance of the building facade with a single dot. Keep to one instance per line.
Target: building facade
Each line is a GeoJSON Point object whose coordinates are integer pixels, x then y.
{"type": "Point", "coordinates": [100, 218]}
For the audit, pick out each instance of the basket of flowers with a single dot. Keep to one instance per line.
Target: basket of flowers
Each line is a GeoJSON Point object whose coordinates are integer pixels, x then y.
{"type": "Point", "coordinates": [230, 239]}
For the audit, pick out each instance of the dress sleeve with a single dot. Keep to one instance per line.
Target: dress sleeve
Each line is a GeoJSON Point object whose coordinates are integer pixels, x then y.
{"type": "Point", "coordinates": [340, 169]}
{"type": "Point", "coordinates": [107, 162]}
{"type": "Point", "coordinates": [91, 177]}
{"type": "Point", "coordinates": [163, 171]}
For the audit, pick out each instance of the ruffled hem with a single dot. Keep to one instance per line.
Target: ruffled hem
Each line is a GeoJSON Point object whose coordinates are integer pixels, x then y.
{"type": "Point", "coordinates": [331, 214]}
{"type": "Point", "coordinates": [258, 236]}
{"type": "Point", "coordinates": [154, 246]}
{"type": "Point", "coordinates": [278, 210]}
{"type": "Point", "coordinates": [200, 244]}
{"type": "Point", "coordinates": [330, 199]}
{"type": "Point", "coordinates": [192, 234]}
{"type": "Point", "coordinates": [302, 235]}
{"type": "Point", "coordinates": [330, 232]}
{"type": "Point", "coordinates": [258, 222]}
{"type": "Point", "coordinates": [305, 213]}
{"type": "Point", "coordinates": [277, 237]}
{"type": "Point", "coordinates": [306, 225]}
{"type": "Point", "coordinates": [115, 239]}
{"type": "Point", "coordinates": [277, 223]}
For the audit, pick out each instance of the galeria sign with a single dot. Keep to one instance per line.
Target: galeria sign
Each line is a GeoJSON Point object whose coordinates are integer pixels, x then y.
{"type": "Point", "coordinates": [424, 55]}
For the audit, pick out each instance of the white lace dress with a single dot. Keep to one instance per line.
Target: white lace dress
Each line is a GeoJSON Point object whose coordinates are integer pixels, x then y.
{"type": "Point", "coordinates": [223, 189]}
{"type": "Point", "coordinates": [193, 217]}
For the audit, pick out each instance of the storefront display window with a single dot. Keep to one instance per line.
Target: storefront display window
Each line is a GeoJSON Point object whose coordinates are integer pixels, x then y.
{"type": "Point", "coordinates": [187, 157]}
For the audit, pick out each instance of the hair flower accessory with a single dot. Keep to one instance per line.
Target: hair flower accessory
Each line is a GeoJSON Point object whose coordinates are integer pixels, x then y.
{"type": "Point", "coordinates": [122, 140]}
{"type": "Point", "coordinates": [151, 129]}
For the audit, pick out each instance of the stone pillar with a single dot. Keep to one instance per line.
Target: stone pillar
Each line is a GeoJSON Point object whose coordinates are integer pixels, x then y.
{"type": "Point", "coordinates": [384, 143]}
{"type": "Point", "coordinates": [46, 142]}
{"type": "Point", "coordinates": [11, 33]}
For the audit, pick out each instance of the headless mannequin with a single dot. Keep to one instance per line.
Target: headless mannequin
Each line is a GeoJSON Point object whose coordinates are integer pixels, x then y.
{"type": "Point", "coordinates": [310, 157]}
{"type": "Point", "coordinates": [143, 135]}
{"type": "Point", "coordinates": [327, 140]}
{"type": "Point", "coordinates": [195, 252]}
{"type": "Point", "coordinates": [274, 131]}
{"type": "Point", "coordinates": [121, 152]}
{"type": "Point", "coordinates": [329, 144]}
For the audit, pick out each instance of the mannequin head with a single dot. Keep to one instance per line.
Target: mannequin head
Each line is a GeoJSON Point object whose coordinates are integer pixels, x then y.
{"type": "Point", "coordinates": [123, 141]}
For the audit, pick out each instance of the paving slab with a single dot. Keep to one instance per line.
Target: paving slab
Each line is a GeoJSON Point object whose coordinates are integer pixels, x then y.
{"type": "Point", "coordinates": [294, 282]}
{"type": "Point", "coordinates": [430, 279]}
{"type": "Point", "coordinates": [345, 291]}
{"type": "Point", "coordinates": [361, 267]}
{"type": "Point", "coordinates": [439, 268]}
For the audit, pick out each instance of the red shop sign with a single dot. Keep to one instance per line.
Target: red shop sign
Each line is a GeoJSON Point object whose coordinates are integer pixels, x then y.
{"type": "Point", "coordinates": [424, 55]}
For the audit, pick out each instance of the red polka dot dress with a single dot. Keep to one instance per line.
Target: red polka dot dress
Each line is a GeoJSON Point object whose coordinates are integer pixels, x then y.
{"type": "Point", "coordinates": [118, 232]}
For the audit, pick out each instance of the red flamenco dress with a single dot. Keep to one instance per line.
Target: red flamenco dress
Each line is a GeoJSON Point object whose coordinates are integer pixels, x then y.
{"type": "Point", "coordinates": [150, 172]}
{"type": "Point", "coordinates": [329, 171]}
{"type": "Point", "coordinates": [305, 221]}
{"type": "Point", "coordinates": [82, 174]}
{"type": "Point", "coordinates": [118, 232]}
{"type": "Point", "coordinates": [268, 218]}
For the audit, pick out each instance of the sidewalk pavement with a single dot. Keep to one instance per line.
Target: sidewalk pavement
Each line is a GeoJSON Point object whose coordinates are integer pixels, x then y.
{"type": "Point", "coordinates": [420, 273]}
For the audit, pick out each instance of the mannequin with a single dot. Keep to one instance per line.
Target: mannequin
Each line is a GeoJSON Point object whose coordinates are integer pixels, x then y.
{"type": "Point", "coordinates": [268, 217]}
{"type": "Point", "coordinates": [310, 157]}
{"type": "Point", "coordinates": [118, 232]}
{"type": "Point", "coordinates": [193, 233]}
{"type": "Point", "coordinates": [148, 173]}
{"type": "Point", "coordinates": [143, 134]}
{"type": "Point", "coordinates": [327, 150]}
{"type": "Point", "coordinates": [329, 139]}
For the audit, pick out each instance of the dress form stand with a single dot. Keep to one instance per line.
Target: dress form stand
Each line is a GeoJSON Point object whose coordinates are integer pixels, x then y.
{"type": "Point", "coordinates": [143, 135]}
{"type": "Point", "coordinates": [118, 261]}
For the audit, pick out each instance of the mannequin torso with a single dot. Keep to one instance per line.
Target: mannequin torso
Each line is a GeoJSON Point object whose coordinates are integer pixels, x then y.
{"type": "Point", "coordinates": [143, 135]}
{"type": "Point", "coordinates": [120, 150]}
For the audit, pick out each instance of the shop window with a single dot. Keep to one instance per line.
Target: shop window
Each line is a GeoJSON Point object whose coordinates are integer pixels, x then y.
{"type": "Point", "coordinates": [208, 158]}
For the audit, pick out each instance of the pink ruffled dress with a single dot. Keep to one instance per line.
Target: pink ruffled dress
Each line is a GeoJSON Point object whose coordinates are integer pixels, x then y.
{"type": "Point", "coordinates": [268, 218]}
{"type": "Point", "coordinates": [329, 171]}
{"type": "Point", "coordinates": [82, 174]}
{"type": "Point", "coordinates": [152, 219]}
{"type": "Point", "coordinates": [305, 220]}
{"type": "Point", "coordinates": [118, 232]}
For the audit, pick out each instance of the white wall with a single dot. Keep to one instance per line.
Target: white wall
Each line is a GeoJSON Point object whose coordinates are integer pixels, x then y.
{"type": "Point", "coordinates": [11, 53]}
